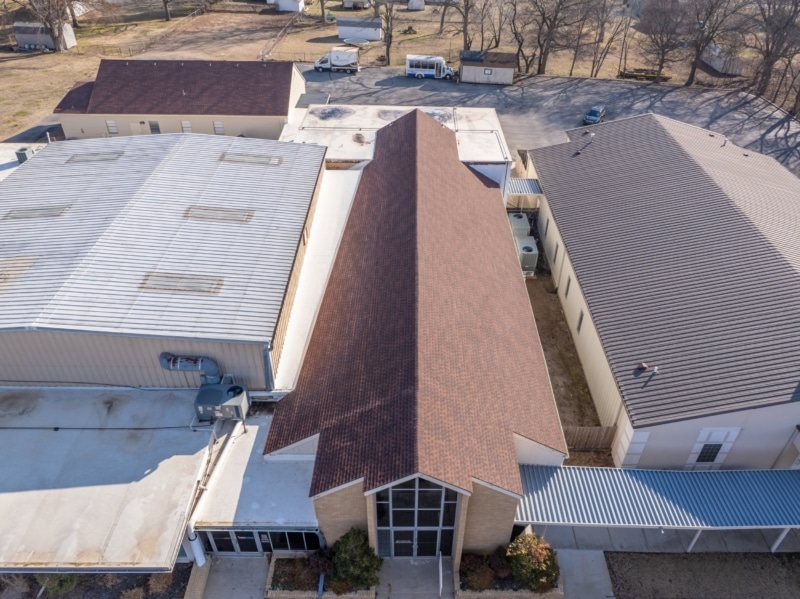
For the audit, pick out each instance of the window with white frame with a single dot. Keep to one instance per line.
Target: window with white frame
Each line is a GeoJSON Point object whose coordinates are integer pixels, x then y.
{"type": "Point", "coordinates": [219, 128]}
{"type": "Point", "coordinates": [711, 448]}
{"type": "Point", "coordinates": [186, 127]}
{"type": "Point", "coordinates": [580, 322]}
{"type": "Point", "coordinates": [155, 128]}
{"type": "Point", "coordinates": [487, 71]}
{"type": "Point", "coordinates": [111, 127]}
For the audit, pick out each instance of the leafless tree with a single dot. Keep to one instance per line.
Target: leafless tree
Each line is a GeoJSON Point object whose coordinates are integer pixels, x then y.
{"type": "Point", "coordinates": [489, 18]}
{"type": "Point", "coordinates": [714, 21]}
{"type": "Point", "coordinates": [523, 27]}
{"type": "Point", "coordinates": [776, 37]}
{"type": "Point", "coordinates": [610, 20]}
{"type": "Point", "coordinates": [465, 8]}
{"type": "Point", "coordinates": [52, 14]}
{"type": "Point", "coordinates": [578, 34]}
{"type": "Point", "coordinates": [552, 18]}
{"type": "Point", "coordinates": [386, 11]}
{"type": "Point", "coordinates": [662, 24]}
{"type": "Point", "coordinates": [321, 10]}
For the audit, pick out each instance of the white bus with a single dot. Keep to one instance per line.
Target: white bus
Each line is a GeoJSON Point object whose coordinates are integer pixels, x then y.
{"type": "Point", "coordinates": [428, 67]}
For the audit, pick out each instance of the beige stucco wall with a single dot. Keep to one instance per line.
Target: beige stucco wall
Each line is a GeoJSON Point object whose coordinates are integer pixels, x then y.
{"type": "Point", "coordinates": [339, 511]}
{"type": "Point", "coordinates": [603, 386]}
{"type": "Point", "coordinates": [36, 357]}
{"type": "Point", "coordinates": [86, 126]}
{"type": "Point", "coordinates": [475, 74]}
{"type": "Point", "coordinates": [489, 519]}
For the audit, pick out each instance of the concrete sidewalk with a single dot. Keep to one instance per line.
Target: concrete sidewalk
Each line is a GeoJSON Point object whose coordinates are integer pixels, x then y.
{"type": "Point", "coordinates": [414, 579]}
{"type": "Point", "coordinates": [584, 574]}
{"type": "Point", "coordinates": [237, 578]}
{"type": "Point", "coordinates": [601, 538]}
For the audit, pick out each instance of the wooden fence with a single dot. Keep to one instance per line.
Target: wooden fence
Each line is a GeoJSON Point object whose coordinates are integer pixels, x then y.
{"type": "Point", "coordinates": [590, 438]}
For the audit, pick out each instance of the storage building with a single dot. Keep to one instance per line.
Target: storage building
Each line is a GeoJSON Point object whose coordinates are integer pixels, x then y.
{"type": "Point", "coordinates": [35, 36]}
{"type": "Point", "coordinates": [370, 29]}
{"type": "Point", "coordinates": [487, 67]}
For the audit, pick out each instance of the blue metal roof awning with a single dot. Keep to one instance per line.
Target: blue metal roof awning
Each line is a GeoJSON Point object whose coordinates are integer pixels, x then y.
{"type": "Point", "coordinates": [722, 499]}
{"type": "Point", "coordinates": [524, 187]}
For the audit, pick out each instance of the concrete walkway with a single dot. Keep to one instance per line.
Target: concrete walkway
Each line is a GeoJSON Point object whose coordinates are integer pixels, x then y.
{"type": "Point", "coordinates": [667, 541]}
{"type": "Point", "coordinates": [414, 579]}
{"type": "Point", "coordinates": [237, 578]}
{"type": "Point", "coordinates": [584, 574]}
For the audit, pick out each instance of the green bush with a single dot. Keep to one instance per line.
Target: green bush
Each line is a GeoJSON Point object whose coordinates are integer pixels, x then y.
{"type": "Point", "coordinates": [355, 561]}
{"type": "Point", "coordinates": [57, 584]}
{"type": "Point", "coordinates": [533, 562]}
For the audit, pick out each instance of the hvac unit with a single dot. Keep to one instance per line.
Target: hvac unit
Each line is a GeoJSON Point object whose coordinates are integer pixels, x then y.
{"type": "Point", "coordinates": [520, 225]}
{"type": "Point", "coordinates": [528, 253]}
{"type": "Point", "coordinates": [218, 402]}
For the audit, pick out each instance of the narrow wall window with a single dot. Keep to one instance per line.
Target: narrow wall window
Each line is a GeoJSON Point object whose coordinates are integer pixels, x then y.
{"type": "Point", "coordinates": [709, 453]}
{"type": "Point", "coordinates": [555, 255]}
{"type": "Point", "coordinates": [186, 127]}
{"type": "Point", "coordinates": [219, 128]}
{"type": "Point", "coordinates": [487, 71]}
{"type": "Point", "coordinates": [111, 126]}
{"type": "Point", "coordinates": [154, 127]}
{"type": "Point", "coordinates": [580, 321]}
{"type": "Point", "coordinates": [566, 289]}
{"type": "Point", "coordinates": [546, 226]}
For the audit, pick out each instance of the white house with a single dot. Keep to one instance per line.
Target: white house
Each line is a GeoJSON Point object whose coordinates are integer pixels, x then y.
{"type": "Point", "coordinates": [369, 29]}
{"type": "Point", "coordinates": [676, 260]}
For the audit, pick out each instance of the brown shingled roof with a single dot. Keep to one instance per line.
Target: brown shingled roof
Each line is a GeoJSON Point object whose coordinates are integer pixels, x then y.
{"type": "Point", "coordinates": [414, 362]}
{"type": "Point", "coordinates": [77, 99]}
{"type": "Point", "coordinates": [188, 87]}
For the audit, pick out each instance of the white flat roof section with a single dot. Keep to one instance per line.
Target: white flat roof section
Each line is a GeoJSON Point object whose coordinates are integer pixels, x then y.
{"type": "Point", "coordinates": [333, 206]}
{"type": "Point", "coordinates": [96, 479]}
{"type": "Point", "coordinates": [349, 131]}
{"type": "Point", "coordinates": [245, 490]}
{"type": "Point", "coordinates": [188, 236]}
{"type": "Point", "coordinates": [8, 157]}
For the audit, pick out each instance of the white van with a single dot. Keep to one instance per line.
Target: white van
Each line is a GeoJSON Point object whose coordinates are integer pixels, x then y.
{"type": "Point", "coordinates": [428, 67]}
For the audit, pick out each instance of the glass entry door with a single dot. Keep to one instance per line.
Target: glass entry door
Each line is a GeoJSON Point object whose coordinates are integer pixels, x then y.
{"type": "Point", "coordinates": [415, 518]}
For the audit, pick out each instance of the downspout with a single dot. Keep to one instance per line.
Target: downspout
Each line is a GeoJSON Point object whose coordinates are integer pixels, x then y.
{"type": "Point", "coordinates": [269, 376]}
{"type": "Point", "coordinates": [209, 368]}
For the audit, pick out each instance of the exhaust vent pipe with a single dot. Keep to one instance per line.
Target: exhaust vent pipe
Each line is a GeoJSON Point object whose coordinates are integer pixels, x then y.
{"type": "Point", "coordinates": [209, 368]}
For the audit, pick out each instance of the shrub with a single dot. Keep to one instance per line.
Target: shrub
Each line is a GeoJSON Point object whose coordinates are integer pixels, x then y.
{"type": "Point", "coordinates": [340, 587]}
{"type": "Point", "coordinates": [57, 584]}
{"type": "Point", "coordinates": [159, 583]}
{"type": "Point", "coordinates": [321, 561]}
{"type": "Point", "coordinates": [294, 575]}
{"type": "Point", "coordinates": [533, 562]}
{"type": "Point", "coordinates": [471, 562]}
{"type": "Point", "coordinates": [355, 561]}
{"type": "Point", "coordinates": [498, 562]}
{"type": "Point", "coordinates": [480, 579]}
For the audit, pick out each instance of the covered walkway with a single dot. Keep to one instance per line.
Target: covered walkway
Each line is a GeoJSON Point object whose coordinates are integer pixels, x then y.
{"type": "Point", "coordinates": [659, 510]}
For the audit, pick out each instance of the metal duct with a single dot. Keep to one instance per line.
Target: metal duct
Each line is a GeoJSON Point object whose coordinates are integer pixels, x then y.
{"type": "Point", "coordinates": [208, 367]}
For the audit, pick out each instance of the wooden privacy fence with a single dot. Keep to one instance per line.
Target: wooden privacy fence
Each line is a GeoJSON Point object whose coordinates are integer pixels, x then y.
{"type": "Point", "coordinates": [590, 438]}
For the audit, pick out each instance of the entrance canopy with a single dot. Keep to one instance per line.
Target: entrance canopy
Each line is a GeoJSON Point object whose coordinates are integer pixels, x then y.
{"type": "Point", "coordinates": [722, 499]}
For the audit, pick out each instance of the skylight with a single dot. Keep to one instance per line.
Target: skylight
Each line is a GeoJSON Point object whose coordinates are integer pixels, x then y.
{"type": "Point", "coordinates": [215, 213]}
{"type": "Point", "coordinates": [181, 283]}
{"type": "Point", "coordinates": [95, 156]}
{"type": "Point", "coordinates": [36, 212]}
{"type": "Point", "coordinates": [251, 158]}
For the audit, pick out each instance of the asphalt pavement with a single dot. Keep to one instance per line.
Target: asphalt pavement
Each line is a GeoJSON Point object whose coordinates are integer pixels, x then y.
{"type": "Point", "coordinates": [537, 111]}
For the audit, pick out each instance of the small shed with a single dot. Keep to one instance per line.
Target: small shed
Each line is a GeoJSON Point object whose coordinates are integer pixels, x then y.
{"type": "Point", "coordinates": [288, 5]}
{"type": "Point", "coordinates": [35, 36]}
{"type": "Point", "coordinates": [722, 61]}
{"type": "Point", "coordinates": [363, 29]}
{"type": "Point", "coordinates": [357, 4]}
{"type": "Point", "coordinates": [416, 4]}
{"type": "Point", "coordinates": [488, 67]}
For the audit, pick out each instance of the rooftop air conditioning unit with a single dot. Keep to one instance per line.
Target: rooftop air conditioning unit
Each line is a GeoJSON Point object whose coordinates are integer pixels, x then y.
{"type": "Point", "coordinates": [221, 402]}
{"type": "Point", "coordinates": [520, 225]}
{"type": "Point", "coordinates": [528, 253]}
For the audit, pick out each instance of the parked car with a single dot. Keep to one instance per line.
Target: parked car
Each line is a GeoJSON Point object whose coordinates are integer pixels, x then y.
{"type": "Point", "coordinates": [596, 114]}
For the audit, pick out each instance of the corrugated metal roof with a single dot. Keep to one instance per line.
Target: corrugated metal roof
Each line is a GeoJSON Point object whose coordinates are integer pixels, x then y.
{"type": "Point", "coordinates": [659, 498]}
{"type": "Point", "coordinates": [367, 23]}
{"type": "Point", "coordinates": [686, 249]}
{"type": "Point", "coordinates": [523, 187]}
{"type": "Point", "coordinates": [126, 219]}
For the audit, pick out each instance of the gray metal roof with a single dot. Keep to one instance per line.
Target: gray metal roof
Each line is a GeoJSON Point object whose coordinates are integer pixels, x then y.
{"type": "Point", "coordinates": [188, 236]}
{"type": "Point", "coordinates": [686, 249]}
{"type": "Point", "coordinates": [523, 187]}
{"type": "Point", "coordinates": [659, 498]}
{"type": "Point", "coordinates": [366, 23]}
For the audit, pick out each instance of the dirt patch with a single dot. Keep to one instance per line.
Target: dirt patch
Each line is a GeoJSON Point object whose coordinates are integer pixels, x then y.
{"type": "Point", "coordinates": [595, 459]}
{"type": "Point", "coordinates": [108, 586]}
{"type": "Point", "coordinates": [705, 575]}
{"type": "Point", "coordinates": [575, 406]}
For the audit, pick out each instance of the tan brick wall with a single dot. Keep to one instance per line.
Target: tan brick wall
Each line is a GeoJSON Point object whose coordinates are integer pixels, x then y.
{"type": "Point", "coordinates": [461, 526]}
{"type": "Point", "coordinates": [490, 519]}
{"type": "Point", "coordinates": [339, 511]}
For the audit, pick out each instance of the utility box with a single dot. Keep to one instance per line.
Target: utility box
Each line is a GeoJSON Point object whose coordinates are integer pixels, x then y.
{"type": "Point", "coordinates": [520, 225]}
{"type": "Point", "coordinates": [528, 254]}
{"type": "Point", "coordinates": [24, 153]}
{"type": "Point", "coordinates": [221, 402]}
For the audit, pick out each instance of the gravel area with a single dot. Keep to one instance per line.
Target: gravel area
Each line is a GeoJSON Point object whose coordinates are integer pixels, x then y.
{"type": "Point", "coordinates": [704, 575]}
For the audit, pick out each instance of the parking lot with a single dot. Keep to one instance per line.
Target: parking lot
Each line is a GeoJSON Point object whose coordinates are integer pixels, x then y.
{"type": "Point", "coordinates": [537, 111]}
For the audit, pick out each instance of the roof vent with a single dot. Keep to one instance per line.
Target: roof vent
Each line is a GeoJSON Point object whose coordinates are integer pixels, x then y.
{"type": "Point", "coordinates": [228, 215]}
{"type": "Point", "coordinates": [36, 212]}
{"type": "Point", "coordinates": [95, 156]}
{"type": "Point", "coordinates": [642, 366]}
{"type": "Point", "coordinates": [251, 158]}
{"type": "Point", "coordinates": [181, 283]}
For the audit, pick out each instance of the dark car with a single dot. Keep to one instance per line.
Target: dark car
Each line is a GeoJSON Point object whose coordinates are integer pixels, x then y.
{"type": "Point", "coordinates": [596, 114]}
